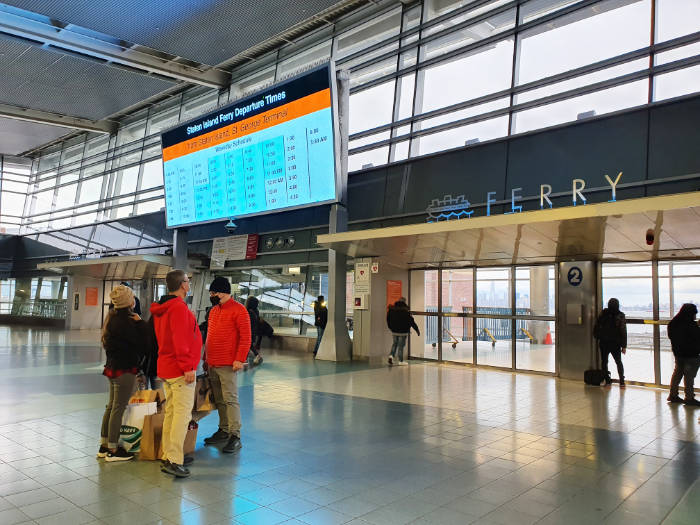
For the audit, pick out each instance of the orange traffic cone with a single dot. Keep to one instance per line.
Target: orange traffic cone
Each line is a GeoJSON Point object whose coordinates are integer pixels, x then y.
{"type": "Point", "coordinates": [548, 338]}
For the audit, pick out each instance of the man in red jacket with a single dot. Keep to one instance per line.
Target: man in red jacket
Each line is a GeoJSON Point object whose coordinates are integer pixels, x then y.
{"type": "Point", "coordinates": [179, 351]}
{"type": "Point", "coordinates": [228, 342]}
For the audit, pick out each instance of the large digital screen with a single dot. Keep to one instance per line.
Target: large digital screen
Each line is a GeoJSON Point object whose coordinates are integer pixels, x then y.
{"type": "Point", "coordinates": [271, 151]}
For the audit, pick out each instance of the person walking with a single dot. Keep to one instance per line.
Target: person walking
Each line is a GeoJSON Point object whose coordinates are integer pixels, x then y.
{"type": "Point", "coordinates": [320, 320]}
{"type": "Point", "coordinates": [228, 343]}
{"type": "Point", "coordinates": [684, 333]}
{"type": "Point", "coordinates": [179, 352]}
{"type": "Point", "coordinates": [400, 321]}
{"type": "Point", "coordinates": [611, 332]}
{"type": "Point", "coordinates": [125, 340]}
{"type": "Point", "coordinates": [251, 305]}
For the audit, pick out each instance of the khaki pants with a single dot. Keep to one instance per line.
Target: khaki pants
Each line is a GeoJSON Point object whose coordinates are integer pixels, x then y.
{"type": "Point", "coordinates": [225, 390]}
{"type": "Point", "coordinates": [179, 397]}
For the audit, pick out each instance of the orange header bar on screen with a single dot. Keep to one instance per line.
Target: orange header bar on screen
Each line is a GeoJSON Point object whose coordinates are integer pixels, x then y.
{"type": "Point", "coordinates": [295, 109]}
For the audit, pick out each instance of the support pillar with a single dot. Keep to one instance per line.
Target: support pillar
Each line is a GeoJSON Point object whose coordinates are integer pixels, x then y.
{"type": "Point", "coordinates": [336, 344]}
{"type": "Point", "coordinates": [180, 249]}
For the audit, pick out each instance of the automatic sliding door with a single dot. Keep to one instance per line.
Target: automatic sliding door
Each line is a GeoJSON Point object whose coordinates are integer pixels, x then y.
{"type": "Point", "coordinates": [535, 318]}
{"type": "Point", "coordinates": [631, 284]}
{"type": "Point", "coordinates": [494, 311]}
{"type": "Point", "coordinates": [423, 302]}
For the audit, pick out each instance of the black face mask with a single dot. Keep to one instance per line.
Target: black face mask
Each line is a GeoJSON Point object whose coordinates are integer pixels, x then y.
{"type": "Point", "coordinates": [215, 299]}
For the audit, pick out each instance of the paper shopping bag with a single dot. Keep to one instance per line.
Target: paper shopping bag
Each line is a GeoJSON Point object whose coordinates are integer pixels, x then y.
{"type": "Point", "coordinates": [190, 438]}
{"type": "Point", "coordinates": [151, 437]}
{"type": "Point", "coordinates": [130, 431]}
{"type": "Point", "coordinates": [147, 396]}
{"type": "Point", "coordinates": [203, 397]}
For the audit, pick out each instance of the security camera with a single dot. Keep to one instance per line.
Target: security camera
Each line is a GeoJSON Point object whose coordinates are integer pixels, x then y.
{"type": "Point", "coordinates": [231, 226]}
{"type": "Point", "coordinates": [650, 237]}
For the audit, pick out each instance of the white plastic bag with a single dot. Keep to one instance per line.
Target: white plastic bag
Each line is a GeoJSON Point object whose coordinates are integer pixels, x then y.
{"type": "Point", "coordinates": [132, 424]}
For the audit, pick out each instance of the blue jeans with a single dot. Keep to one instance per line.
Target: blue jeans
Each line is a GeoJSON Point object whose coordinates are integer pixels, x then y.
{"type": "Point", "coordinates": [399, 343]}
{"type": "Point", "coordinates": [319, 335]}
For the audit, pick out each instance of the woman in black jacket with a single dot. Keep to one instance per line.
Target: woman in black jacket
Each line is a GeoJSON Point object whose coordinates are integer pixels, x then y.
{"type": "Point", "coordinates": [684, 333]}
{"type": "Point", "coordinates": [125, 339]}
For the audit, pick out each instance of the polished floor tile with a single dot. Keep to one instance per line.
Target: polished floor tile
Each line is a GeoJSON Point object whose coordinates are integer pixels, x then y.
{"type": "Point", "coordinates": [350, 443]}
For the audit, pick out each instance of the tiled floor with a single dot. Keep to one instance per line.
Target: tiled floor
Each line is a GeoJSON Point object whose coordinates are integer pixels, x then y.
{"type": "Point", "coordinates": [328, 443]}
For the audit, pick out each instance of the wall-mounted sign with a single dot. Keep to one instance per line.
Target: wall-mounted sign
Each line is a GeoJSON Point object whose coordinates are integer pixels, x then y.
{"type": "Point", "coordinates": [450, 207]}
{"type": "Point", "coordinates": [375, 267]}
{"type": "Point", "coordinates": [394, 292]}
{"type": "Point", "coordinates": [362, 277]}
{"type": "Point", "coordinates": [91, 296]}
{"type": "Point", "coordinates": [574, 276]}
{"type": "Point", "coordinates": [76, 301]}
{"type": "Point", "coordinates": [233, 248]}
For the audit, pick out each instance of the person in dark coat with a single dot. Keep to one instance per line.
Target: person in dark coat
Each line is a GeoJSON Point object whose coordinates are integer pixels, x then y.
{"type": "Point", "coordinates": [125, 339]}
{"type": "Point", "coordinates": [251, 305]}
{"type": "Point", "coordinates": [611, 332]}
{"type": "Point", "coordinates": [684, 333]}
{"type": "Point", "coordinates": [400, 321]}
{"type": "Point", "coordinates": [320, 320]}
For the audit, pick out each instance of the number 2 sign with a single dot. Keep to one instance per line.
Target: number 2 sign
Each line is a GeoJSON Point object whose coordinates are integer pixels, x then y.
{"type": "Point", "coordinates": [575, 276]}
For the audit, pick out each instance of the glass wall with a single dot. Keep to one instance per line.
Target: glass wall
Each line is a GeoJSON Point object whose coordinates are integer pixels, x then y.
{"type": "Point", "coordinates": [502, 317]}
{"type": "Point", "coordinates": [425, 77]}
{"type": "Point", "coordinates": [649, 358]}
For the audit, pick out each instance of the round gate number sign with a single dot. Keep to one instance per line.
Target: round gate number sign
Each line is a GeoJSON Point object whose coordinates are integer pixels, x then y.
{"type": "Point", "coordinates": [575, 276]}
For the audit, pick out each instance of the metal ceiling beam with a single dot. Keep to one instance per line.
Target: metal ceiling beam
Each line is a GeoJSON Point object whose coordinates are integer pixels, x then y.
{"type": "Point", "coordinates": [39, 32]}
{"type": "Point", "coordinates": [54, 119]}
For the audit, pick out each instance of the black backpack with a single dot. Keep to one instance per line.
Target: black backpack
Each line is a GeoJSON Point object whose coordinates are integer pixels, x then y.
{"type": "Point", "coordinates": [607, 327]}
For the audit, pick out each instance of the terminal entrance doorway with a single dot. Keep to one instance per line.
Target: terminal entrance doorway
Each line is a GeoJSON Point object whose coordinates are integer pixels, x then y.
{"type": "Point", "coordinates": [496, 316]}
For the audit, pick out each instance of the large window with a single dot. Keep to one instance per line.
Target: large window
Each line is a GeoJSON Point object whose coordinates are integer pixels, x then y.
{"type": "Point", "coordinates": [502, 317]}
{"type": "Point", "coordinates": [424, 78]}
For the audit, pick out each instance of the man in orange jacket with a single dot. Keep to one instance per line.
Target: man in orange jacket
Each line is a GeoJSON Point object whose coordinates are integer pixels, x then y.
{"type": "Point", "coordinates": [228, 342]}
{"type": "Point", "coordinates": [179, 350]}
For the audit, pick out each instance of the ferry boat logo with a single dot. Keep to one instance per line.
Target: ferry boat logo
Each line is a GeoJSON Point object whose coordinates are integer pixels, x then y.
{"type": "Point", "coordinates": [448, 208]}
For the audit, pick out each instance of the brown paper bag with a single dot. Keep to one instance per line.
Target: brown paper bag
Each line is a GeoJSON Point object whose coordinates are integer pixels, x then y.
{"type": "Point", "coordinates": [203, 397]}
{"type": "Point", "coordinates": [148, 396]}
{"type": "Point", "coordinates": [190, 440]}
{"type": "Point", "coordinates": [151, 437]}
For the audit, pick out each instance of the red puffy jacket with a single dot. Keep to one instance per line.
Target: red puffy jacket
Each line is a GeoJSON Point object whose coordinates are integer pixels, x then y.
{"type": "Point", "coordinates": [228, 334]}
{"type": "Point", "coordinates": [178, 336]}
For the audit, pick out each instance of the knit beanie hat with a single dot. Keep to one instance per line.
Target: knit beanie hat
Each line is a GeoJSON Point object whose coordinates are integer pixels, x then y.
{"type": "Point", "coordinates": [122, 297]}
{"type": "Point", "coordinates": [220, 285]}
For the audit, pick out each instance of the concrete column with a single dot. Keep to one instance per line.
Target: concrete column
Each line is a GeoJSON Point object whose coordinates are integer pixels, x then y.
{"type": "Point", "coordinates": [180, 236]}
{"type": "Point", "coordinates": [336, 344]}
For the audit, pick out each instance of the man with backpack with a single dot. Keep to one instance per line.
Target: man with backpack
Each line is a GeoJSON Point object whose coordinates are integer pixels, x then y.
{"type": "Point", "coordinates": [611, 332]}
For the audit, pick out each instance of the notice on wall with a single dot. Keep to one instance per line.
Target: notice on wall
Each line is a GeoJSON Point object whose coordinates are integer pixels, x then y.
{"type": "Point", "coordinates": [394, 292]}
{"type": "Point", "coordinates": [233, 248]}
{"type": "Point", "coordinates": [362, 277]}
{"type": "Point", "coordinates": [91, 296]}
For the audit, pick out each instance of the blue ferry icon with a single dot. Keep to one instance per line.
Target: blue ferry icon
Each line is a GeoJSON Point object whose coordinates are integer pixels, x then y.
{"type": "Point", "coordinates": [448, 208]}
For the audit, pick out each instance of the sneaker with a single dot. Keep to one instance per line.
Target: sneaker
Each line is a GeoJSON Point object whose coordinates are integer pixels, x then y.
{"type": "Point", "coordinates": [217, 437]}
{"type": "Point", "coordinates": [692, 402]}
{"type": "Point", "coordinates": [622, 383]}
{"type": "Point", "coordinates": [179, 471]}
{"type": "Point", "coordinates": [403, 363]}
{"type": "Point", "coordinates": [233, 444]}
{"type": "Point", "coordinates": [674, 399]}
{"type": "Point", "coordinates": [102, 453]}
{"type": "Point", "coordinates": [188, 460]}
{"type": "Point", "coordinates": [119, 455]}
{"type": "Point", "coordinates": [391, 359]}
{"type": "Point", "coordinates": [258, 360]}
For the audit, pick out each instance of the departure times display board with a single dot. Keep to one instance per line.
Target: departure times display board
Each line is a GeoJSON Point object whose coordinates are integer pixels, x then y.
{"type": "Point", "coordinates": [271, 151]}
